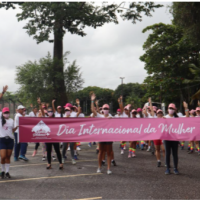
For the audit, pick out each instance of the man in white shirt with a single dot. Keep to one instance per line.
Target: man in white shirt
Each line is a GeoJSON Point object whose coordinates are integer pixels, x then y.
{"type": "Point", "coordinates": [19, 147]}
{"type": "Point", "coordinates": [34, 112]}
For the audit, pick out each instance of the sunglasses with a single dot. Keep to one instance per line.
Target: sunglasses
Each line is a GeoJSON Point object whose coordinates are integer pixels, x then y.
{"type": "Point", "coordinates": [50, 111]}
{"type": "Point", "coordinates": [106, 109]}
{"type": "Point", "coordinates": [6, 112]}
{"type": "Point", "coordinates": [67, 110]}
{"type": "Point", "coordinates": [171, 108]}
{"type": "Point", "coordinates": [134, 113]}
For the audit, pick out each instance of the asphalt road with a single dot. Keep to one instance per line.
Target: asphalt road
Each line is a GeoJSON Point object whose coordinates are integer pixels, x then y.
{"type": "Point", "coordinates": [134, 178]}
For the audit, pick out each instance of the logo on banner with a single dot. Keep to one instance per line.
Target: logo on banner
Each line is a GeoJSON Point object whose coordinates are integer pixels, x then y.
{"type": "Point", "coordinates": [41, 129]}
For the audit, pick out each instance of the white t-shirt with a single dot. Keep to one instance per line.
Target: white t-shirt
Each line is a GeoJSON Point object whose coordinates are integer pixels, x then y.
{"type": "Point", "coordinates": [118, 116]}
{"type": "Point", "coordinates": [7, 128]}
{"type": "Point", "coordinates": [167, 116]}
{"type": "Point", "coordinates": [17, 121]}
{"type": "Point", "coordinates": [31, 114]}
{"type": "Point", "coordinates": [180, 114]}
{"type": "Point", "coordinates": [58, 114]}
{"type": "Point", "coordinates": [102, 116]}
{"type": "Point", "coordinates": [72, 114]}
{"type": "Point", "coordinates": [124, 115]}
{"type": "Point", "coordinates": [81, 115]}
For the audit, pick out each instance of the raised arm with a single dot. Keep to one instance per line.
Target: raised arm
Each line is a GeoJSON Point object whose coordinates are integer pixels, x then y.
{"type": "Point", "coordinates": [53, 105]}
{"type": "Point", "coordinates": [121, 106]}
{"type": "Point", "coordinates": [185, 105]}
{"type": "Point", "coordinates": [97, 106]}
{"type": "Point", "coordinates": [79, 108]}
{"type": "Point", "coordinates": [145, 111]}
{"type": "Point", "coordinates": [151, 107]}
{"type": "Point", "coordinates": [40, 106]}
{"type": "Point", "coordinates": [93, 97]}
{"type": "Point", "coordinates": [4, 90]}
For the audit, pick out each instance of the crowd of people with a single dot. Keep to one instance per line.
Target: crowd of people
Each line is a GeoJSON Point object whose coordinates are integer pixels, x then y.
{"type": "Point", "coordinates": [9, 132]}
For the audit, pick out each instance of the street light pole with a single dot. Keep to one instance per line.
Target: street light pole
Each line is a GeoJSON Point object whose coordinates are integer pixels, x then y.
{"type": "Point", "coordinates": [122, 78]}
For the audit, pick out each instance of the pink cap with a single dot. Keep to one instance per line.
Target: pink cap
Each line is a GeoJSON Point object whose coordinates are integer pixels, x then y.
{"type": "Point", "coordinates": [197, 108]}
{"type": "Point", "coordinates": [68, 105]}
{"type": "Point", "coordinates": [67, 108]}
{"type": "Point", "coordinates": [43, 106]}
{"type": "Point", "coordinates": [133, 110]}
{"type": "Point", "coordinates": [159, 110]}
{"type": "Point", "coordinates": [154, 107]}
{"type": "Point", "coordinates": [59, 107]}
{"type": "Point", "coordinates": [192, 111]}
{"type": "Point", "coordinates": [171, 105]}
{"type": "Point", "coordinates": [118, 110]}
{"type": "Point", "coordinates": [106, 106]}
{"type": "Point", "coordinates": [126, 107]}
{"type": "Point", "coordinates": [139, 110]}
{"type": "Point", "coordinates": [6, 109]}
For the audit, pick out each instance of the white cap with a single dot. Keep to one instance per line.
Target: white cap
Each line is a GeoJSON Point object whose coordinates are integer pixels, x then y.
{"type": "Point", "coordinates": [20, 107]}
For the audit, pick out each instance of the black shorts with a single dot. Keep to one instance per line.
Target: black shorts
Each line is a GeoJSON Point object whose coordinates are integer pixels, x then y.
{"type": "Point", "coordinates": [105, 142]}
{"type": "Point", "coordinates": [6, 143]}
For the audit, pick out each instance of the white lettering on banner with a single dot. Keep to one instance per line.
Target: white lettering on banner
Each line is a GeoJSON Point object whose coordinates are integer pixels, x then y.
{"type": "Point", "coordinates": [149, 129]}
{"type": "Point", "coordinates": [169, 129]}
{"type": "Point", "coordinates": [120, 130]}
{"type": "Point", "coordinates": [63, 128]}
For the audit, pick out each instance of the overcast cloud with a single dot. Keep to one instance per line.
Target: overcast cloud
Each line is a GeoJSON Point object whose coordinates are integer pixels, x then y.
{"type": "Point", "coordinates": [105, 54]}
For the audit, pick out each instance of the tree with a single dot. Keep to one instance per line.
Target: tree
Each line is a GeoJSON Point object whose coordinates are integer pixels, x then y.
{"type": "Point", "coordinates": [187, 16]}
{"type": "Point", "coordinates": [131, 93]}
{"type": "Point", "coordinates": [167, 57]}
{"type": "Point", "coordinates": [58, 18]}
{"type": "Point", "coordinates": [35, 79]}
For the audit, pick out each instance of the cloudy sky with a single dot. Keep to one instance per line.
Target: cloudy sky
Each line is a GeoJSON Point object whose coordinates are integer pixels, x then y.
{"type": "Point", "coordinates": [104, 55]}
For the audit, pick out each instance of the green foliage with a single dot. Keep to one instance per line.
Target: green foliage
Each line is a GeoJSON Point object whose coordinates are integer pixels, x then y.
{"type": "Point", "coordinates": [36, 78]}
{"type": "Point", "coordinates": [167, 57]}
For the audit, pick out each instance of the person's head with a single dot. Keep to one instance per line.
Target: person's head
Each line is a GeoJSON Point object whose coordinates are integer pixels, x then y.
{"type": "Point", "coordinates": [5, 115]}
{"type": "Point", "coordinates": [44, 106]}
{"type": "Point", "coordinates": [74, 108]}
{"type": "Point", "coordinates": [35, 110]}
{"type": "Point", "coordinates": [69, 105]}
{"type": "Point", "coordinates": [20, 109]}
{"type": "Point", "coordinates": [172, 110]}
{"type": "Point", "coordinates": [24, 111]}
{"type": "Point", "coordinates": [118, 111]}
{"type": "Point", "coordinates": [155, 108]}
{"type": "Point", "coordinates": [139, 112]}
{"type": "Point", "coordinates": [159, 113]}
{"type": "Point", "coordinates": [67, 111]}
{"type": "Point", "coordinates": [106, 109]}
{"type": "Point", "coordinates": [133, 113]}
{"type": "Point", "coordinates": [59, 109]}
{"type": "Point", "coordinates": [198, 111]}
{"type": "Point", "coordinates": [40, 113]}
{"type": "Point", "coordinates": [192, 113]}
{"type": "Point", "coordinates": [126, 110]}
{"type": "Point", "coordinates": [50, 112]}
{"type": "Point", "coordinates": [148, 109]}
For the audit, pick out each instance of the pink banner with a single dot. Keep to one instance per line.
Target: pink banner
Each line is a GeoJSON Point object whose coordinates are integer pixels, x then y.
{"type": "Point", "coordinates": [101, 129]}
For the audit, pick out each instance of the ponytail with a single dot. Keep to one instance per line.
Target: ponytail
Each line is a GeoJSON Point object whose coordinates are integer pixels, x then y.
{"type": "Point", "coordinates": [3, 121]}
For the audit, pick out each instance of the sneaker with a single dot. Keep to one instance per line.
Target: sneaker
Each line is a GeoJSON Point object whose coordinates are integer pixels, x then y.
{"type": "Point", "coordinates": [191, 151]}
{"type": "Point", "coordinates": [122, 152]}
{"type": "Point", "coordinates": [149, 148]}
{"type": "Point", "coordinates": [98, 170]}
{"type": "Point", "coordinates": [89, 144]}
{"type": "Point", "coordinates": [176, 171]}
{"type": "Point", "coordinates": [2, 175]}
{"type": "Point", "coordinates": [129, 155]}
{"type": "Point", "coordinates": [188, 149]}
{"type": "Point", "coordinates": [78, 148]}
{"type": "Point", "coordinates": [94, 143]}
{"type": "Point", "coordinates": [43, 158]}
{"type": "Point", "coordinates": [133, 155]}
{"type": "Point", "coordinates": [16, 159]}
{"type": "Point", "coordinates": [124, 147]}
{"type": "Point", "coordinates": [158, 164]}
{"type": "Point", "coordinates": [73, 162]}
{"type": "Point", "coordinates": [103, 162]}
{"type": "Point", "coordinates": [8, 175]}
{"type": "Point", "coordinates": [63, 160]}
{"type": "Point", "coordinates": [182, 147]}
{"type": "Point", "coordinates": [34, 153]}
{"type": "Point", "coordinates": [68, 149]}
{"type": "Point", "coordinates": [114, 163]}
{"type": "Point", "coordinates": [109, 172]}
{"type": "Point", "coordinates": [65, 157]}
{"type": "Point", "coordinates": [75, 157]}
{"type": "Point", "coordinates": [23, 158]}
{"type": "Point", "coordinates": [167, 172]}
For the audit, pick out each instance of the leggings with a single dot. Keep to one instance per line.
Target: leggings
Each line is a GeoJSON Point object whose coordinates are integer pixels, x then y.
{"type": "Point", "coordinates": [37, 145]}
{"type": "Point", "coordinates": [64, 148]}
{"type": "Point", "coordinates": [57, 150]}
{"type": "Point", "coordinates": [174, 146]}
